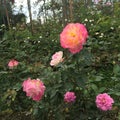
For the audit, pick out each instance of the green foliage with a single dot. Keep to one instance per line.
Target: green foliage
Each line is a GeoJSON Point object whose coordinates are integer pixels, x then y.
{"type": "Point", "coordinates": [93, 71]}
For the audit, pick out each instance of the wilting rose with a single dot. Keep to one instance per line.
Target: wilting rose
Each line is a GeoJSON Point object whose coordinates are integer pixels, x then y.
{"type": "Point", "coordinates": [69, 97]}
{"type": "Point", "coordinates": [12, 63]}
{"type": "Point", "coordinates": [73, 37]}
{"type": "Point", "coordinates": [56, 58]}
{"type": "Point", "coordinates": [104, 102]}
{"type": "Point", "coordinates": [34, 88]}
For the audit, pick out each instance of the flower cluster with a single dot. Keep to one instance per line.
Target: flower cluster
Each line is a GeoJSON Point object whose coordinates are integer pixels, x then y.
{"type": "Point", "coordinates": [104, 102]}
{"type": "Point", "coordinates": [34, 88]}
{"type": "Point", "coordinates": [73, 37]}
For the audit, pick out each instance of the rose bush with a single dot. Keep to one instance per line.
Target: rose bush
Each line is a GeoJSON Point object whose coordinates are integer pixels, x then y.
{"type": "Point", "coordinates": [87, 71]}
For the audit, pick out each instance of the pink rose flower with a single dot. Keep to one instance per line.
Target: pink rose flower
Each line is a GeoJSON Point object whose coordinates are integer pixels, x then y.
{"type": "Point", "coordinates": [34, 88]}
{"type": "Point", "coordinates": [12, 63]}
{"type": "Point", "coordinates": [69, 97]}
{"type": "Point", "coordinates": [56, 58]}
{"type": "Point", "coordinates": [73, 37]}
{"type": "Point", "coordinates": [104, 102]}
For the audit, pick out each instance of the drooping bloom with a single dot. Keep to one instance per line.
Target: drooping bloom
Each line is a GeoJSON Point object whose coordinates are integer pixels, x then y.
{"type": "Point", "coordinates": [56, 58]}
{"type": "Point", "coordinates": [73, 37]}
{"type": "Point", "coordinates": [34, 88]}
{"type": "Point", "coordinates": [69, 97]}
{"type": "Point", "coordinates": [104, 102]}
{"type": "Point", "coordinates": [12, 63]}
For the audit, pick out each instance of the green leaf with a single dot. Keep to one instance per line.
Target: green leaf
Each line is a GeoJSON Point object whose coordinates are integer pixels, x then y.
{"type": "Point", "coordinates": [53, 93]}
{"type": "Point", "coordinates": [102, 89]}
{"type": "Point", "coordinates": [116, 69]}
{"type": "Point", "coordinates": [18, 86]}
{"type": "Point", "coordinates": [35, 112]}
{"type": "Point", "coordinates": [98, 78]}
{"type": "Point", "coordinates": [94, 87]}
{"type": "Point", "coordinates": [68, 86]}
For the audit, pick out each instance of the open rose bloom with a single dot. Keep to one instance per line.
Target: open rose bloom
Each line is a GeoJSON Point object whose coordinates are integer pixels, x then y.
{"type": "Point", "coordinates": [56, 58]}
{"type": "Point", "coordinates": [69, 97]}
{"type": "Point", "coordinates": [12, 63]}
{"type": "Point", "coordinates": [104, 102]}
{"type": "Point", "coordinates": [34, 88]}
{"type": "Point", "coordinates": [73, 37]}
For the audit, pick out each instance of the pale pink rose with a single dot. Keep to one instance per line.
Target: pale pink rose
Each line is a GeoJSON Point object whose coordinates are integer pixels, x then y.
{"type": "Point", "coordinates": [108, 3]}
{"type": "Point", "coordinates": [69, 97]}
{"type": "Point", "coordinates": [12, 63]}
{"type": "Point", "coordinates": [34, 88]}
{"type": "Point", "coordinates": [73, 37]}
{"type": "Point", "coordinates": [56, 58]}
{"type": "Point", "coordinates": [104, 102]}
{"type": "Point", "coordinates": [97, 1]}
